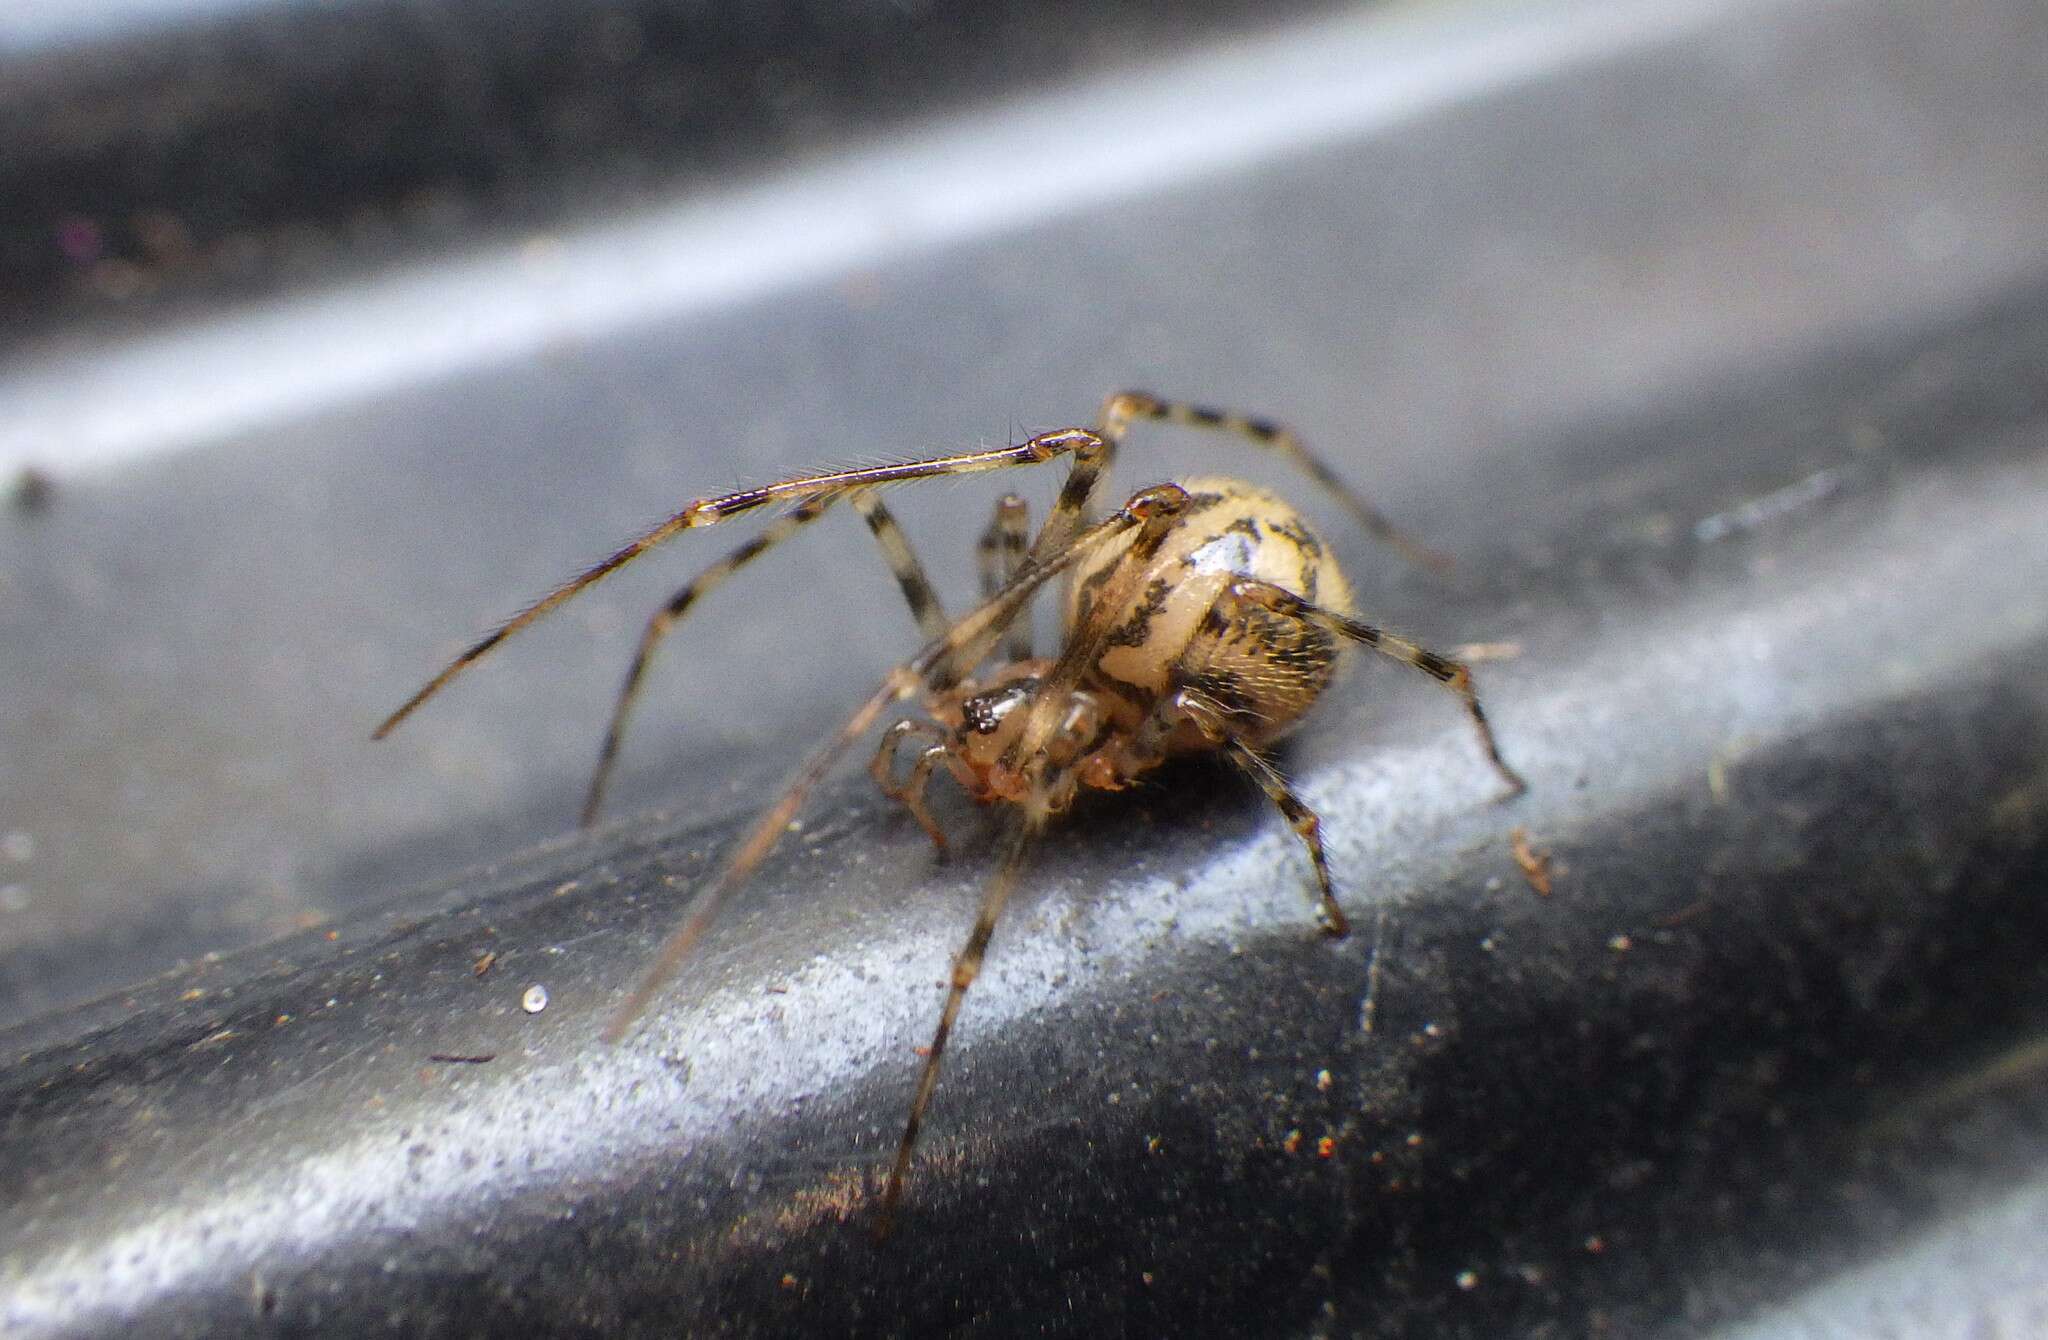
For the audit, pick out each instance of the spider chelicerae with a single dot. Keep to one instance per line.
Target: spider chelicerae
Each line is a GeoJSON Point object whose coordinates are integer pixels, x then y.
{"type": "Point", "coordinates": [1198, 617]}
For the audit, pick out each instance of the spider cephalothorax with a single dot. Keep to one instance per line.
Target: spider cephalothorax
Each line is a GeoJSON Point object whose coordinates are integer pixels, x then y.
{"type": "Point", "coordinates": [1198, 617]}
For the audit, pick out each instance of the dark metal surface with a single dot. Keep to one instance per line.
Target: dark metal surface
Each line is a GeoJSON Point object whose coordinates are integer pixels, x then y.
{"type": "Point", "coordinates": [1709, 338]}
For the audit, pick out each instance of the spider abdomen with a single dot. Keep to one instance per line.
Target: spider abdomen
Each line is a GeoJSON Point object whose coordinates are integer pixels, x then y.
{"type": "Point", "coordinates": [1185, 629]}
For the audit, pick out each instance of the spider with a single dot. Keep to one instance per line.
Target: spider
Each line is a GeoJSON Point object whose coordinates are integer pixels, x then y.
{"type": "Point", "coordinates": [1198, 617]}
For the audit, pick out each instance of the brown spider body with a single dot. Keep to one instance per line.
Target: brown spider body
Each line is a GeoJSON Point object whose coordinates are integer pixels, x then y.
{"type": "Point", "coordinates": [1204, 616]}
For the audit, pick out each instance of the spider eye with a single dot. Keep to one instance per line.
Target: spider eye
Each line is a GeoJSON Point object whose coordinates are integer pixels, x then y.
{"type": "Point", "coordinates": [980, 714]}
{"type": "Point", "coordinates": [984, 712]}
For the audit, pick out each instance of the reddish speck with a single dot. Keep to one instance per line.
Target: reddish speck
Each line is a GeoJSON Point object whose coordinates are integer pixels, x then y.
{"type": "Point", "coordinates": [80, 240]}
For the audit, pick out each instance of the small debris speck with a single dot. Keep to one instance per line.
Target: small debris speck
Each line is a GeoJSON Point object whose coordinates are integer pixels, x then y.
{"type": "Point", "coordinates": [1323, 1081]}
{"type": "Point", "coordinates": [1468, 1280]}
{"type": "Point", "coordinates": [1620, 944]}
{"type": "Point", "coordinates": [1146, 1276]}
{"type": "Point", "coordinates": [1595, 1243]}
{"type": "Point", "coordinates": [535, 999]}
{"type": "Point", "coordinates": [789, 1281]}
{"type": "Point", "coordinates": [1534, 861]}
{"type": "Point", "coordinates": [32, 490]}
{"type": "Point", "coordinates": [1326, 1147]}
{"type": "Point", "coordinates": [1292, 1144]}
{"type": "Point", "coordinates": [483, 964]}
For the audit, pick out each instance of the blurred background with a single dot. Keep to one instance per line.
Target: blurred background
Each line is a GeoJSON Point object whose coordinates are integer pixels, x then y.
{"type": "Point", "coordinates": [1707, 334]}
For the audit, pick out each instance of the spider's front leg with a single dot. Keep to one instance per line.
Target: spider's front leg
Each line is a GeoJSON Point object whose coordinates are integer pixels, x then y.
{"type": "Point", "coordinates": [797, 492]}
{"type": "Point", "coordinates": [896, 552]}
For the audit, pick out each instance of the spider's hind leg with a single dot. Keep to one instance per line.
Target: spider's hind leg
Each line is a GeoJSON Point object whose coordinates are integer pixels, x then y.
{"type": "Point", "coordinates": [1301, 819]}
{"type": "Point", "coordinates": [1453, 675]}
{"type": "Point", "coordinates": [1121, 409]}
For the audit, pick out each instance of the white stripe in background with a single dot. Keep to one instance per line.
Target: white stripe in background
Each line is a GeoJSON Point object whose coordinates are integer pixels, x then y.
{"type": "Point", "coordinates": [70, 407]}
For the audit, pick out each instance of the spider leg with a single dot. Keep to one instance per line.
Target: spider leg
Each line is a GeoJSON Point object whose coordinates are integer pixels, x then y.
{"type": "Point", "coordinates": [1300, 818]}
{"type": "Point", "coordinates": [917, 590]}
{"type": "Point", "coordinates": [932, 622]}
{"type": "Point", "coordinates": [968, 640]}
{"type": "Point", "coordinates": [1126, 406]}
{"type": "Point", "coordinates": [966, 967]}
{"type": "Point", "coordinates": [1164, 505]}
{"type": "Point", "coordinates": [664, 621]}
{"type": "Point", "coordinates": [1453, 675]}
{"type": "Point", "coordinates": [1071, 509]}
{"type": "Point", "coordinates": [910, 791]}
{"type": "Point", "coordinates": [1000, 552]}
{"type": "Point", "coordinates": [710, 511]}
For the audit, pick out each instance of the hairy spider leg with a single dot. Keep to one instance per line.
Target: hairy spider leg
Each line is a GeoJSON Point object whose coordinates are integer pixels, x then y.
{"type": "Point", "coordinates": [967, 641]}
{"type": "Point", "coordinates": [896, 551]}
{"type": "Point", "coordinates": [710, 511]}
